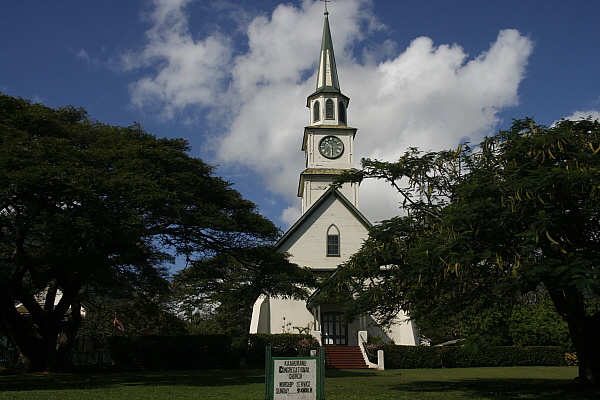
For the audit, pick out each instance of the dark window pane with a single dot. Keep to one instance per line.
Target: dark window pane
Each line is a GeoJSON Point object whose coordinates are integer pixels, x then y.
{"type": "Point", "coordinates": [342, 112]}
{"type": "Point", "coordinates": [329, 109]}
{"type": "Point", "coordinates": [333, 245]}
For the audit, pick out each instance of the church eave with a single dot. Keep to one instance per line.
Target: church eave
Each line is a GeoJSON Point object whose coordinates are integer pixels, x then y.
{"type": "Point", "coordinates": [327, 89]}
{"type": "Point", "coordinates": [321, 172]}
{"type": "Point", "coordinates": [332, 191]}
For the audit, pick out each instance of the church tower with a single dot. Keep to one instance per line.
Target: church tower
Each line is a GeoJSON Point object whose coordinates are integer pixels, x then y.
{"type": "Point", "coordinates": [328, 143]}
{"type": "Point", "coordinates": [331, 228]}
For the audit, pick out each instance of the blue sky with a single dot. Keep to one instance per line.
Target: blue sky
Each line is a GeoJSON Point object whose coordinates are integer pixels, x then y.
{"type": "Point", "coordinates": [232, 76]}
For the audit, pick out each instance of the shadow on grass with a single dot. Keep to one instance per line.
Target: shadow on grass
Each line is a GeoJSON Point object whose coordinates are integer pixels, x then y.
{"type": "Point", "coordinates": [114, 378]}
{"type": "Point", "coordinates": [495, 388]}
{"type": "Point", "coordinates": [107, 379]}
{"type": "Point", "coordinates": [348, 373]}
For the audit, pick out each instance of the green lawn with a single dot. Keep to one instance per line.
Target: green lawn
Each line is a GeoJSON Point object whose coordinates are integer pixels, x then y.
{"type": "Point", "coordinates": [459, 383]}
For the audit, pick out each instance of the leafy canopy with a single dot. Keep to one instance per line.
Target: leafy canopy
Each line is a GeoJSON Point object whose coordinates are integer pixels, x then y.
{"type": "Point", "coordinates": [484, 225]}
{"type": "Point", "coordinates": [88, 209]}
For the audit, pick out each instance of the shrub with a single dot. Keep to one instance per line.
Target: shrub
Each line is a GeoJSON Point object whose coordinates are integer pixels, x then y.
{"type": "Point", "coordinates": [172, 352]}
{"type": "Point", "coordinates": [571, 359]}
{"type": "Point", "coordinates": [282, 345]}
{"type": "Point", "coordinates": [410, 357]}
{"type": "Point", "coordinates": [499, 356]}
{"type": "Point", "coordinates": [539, 325]}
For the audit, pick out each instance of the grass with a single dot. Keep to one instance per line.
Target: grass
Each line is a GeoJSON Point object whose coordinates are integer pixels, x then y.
{"type": "Point", "coordinates": [448, 384]}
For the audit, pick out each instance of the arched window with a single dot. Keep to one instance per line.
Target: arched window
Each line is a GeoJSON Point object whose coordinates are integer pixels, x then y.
{"type": "Point", "coordinates": [342, 112]}
{"type": "Point", "coordinates": [329, 109]}
{"type": "Point", "coordinates": [316, 111]}
{"type": "Point", "coordinates": [333, 241]}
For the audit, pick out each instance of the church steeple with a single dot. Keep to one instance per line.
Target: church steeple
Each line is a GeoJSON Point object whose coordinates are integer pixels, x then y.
{"type": "Point", "coordinates": [328, 104]}
{"type": "Point", "coordinates": [328, 142]}
{"type": "Point", "coordinates": [327, 78]}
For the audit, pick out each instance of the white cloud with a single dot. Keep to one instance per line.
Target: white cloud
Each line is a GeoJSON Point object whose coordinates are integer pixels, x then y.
{"type": "Point", "coordinates": [429, 96]}
{"type": "Point", "coordinates": [85, 56]}
{"type": "Point", "coordinates": [290, 215]}
{"type": "Point", "coordinates": [578, 115]}
{"type": "Point", "coordinates": [185, 72]}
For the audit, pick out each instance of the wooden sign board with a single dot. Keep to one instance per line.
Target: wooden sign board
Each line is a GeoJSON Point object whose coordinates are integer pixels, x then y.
{"type": "Point", "coordinates": [295, 378]}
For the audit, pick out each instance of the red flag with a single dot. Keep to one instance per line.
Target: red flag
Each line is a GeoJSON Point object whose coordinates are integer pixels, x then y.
{"type": "Point", "coordinates": [119, 325]}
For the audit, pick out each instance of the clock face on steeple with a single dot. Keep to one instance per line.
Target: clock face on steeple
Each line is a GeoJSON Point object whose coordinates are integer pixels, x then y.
{"type": "Point", "coordinates": [331, 147]}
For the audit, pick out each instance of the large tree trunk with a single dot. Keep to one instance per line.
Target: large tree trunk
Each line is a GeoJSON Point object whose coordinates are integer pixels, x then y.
{"type": "Point", "coordinates": [67, 344]}
{"type": "Point", "coordinates": [584, 331]}
{"type": "Point", "coordinates": [35, 340]}
{"type": "Point", "coordinates": [30, 346]}
{"type": "Point", "coordinates": [585, 334]}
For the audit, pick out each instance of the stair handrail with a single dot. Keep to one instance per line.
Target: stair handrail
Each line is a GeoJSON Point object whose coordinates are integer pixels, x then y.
{"type": "Point", "coordinates": [362, 343]}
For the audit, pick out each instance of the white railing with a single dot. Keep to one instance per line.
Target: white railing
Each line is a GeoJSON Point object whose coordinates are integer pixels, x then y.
{"type": "Point", "coordinates": [362, 343]}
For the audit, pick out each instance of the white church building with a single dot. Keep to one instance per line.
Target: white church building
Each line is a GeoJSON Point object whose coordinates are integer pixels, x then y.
{"type": "Point", "coordinates": [331, 228]}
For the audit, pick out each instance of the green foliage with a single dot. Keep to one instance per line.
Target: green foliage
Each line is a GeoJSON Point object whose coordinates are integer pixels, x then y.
{"type": "Point", "coordinates": [172, 352]}
{"type": "Point", "coordinates": [539, 325]}
{"type": "Point", "coordinates": [530, 320]}
{"type": "Point", "coordinates": [500, 356]}
{"type": "Point", "coordinates": [89, 210]}
{"type": "Point", "coordinates": [217, 294]}
{"type": "Point", "coordinates": [486, 326]}
{"type": "Point", "coordinates": [571, 358]}
{"type": "Point", "coordinates": [139, 314]}
{"type": "Point", "coordinates": [484, 226]}
{"type": "Point", "coordinates": [282, 345]}
{"type": "Point", "coordinates": [205, 351]}
{"type": "Point", "coordinates": [409, 357]}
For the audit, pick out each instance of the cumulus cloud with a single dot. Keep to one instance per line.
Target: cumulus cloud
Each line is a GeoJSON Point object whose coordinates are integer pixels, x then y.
{"type": "Point", "coordinates": [430, 96]}
{"type": "Point", "coordinates": [578, 115]}
{"type": "Point", "coordinates": [290, 215]}
{"type": "Point", "coordinates": [186, 72]}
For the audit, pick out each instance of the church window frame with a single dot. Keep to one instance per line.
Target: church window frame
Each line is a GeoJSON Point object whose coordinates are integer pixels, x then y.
{"type": "Point", "coordinates": [329, 109]}
{"type": "Point", "coordinates": [333, 243]}
{"type": "Point", "coordinates": [316, 111]}
{"type": "Point", "coordinates": [342, 112]}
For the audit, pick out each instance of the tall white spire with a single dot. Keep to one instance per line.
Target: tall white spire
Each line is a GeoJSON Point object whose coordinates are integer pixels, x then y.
{"type": "Point", "coordinates": [327, 79]}
{"type": "Point", "coordinates": [328, 104]}
{"type": "Point", "coordinates": [328, 142]}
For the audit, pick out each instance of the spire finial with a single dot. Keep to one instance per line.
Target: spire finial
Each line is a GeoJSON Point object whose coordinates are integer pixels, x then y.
{"type": "Point", "coordinates": [326, 1]}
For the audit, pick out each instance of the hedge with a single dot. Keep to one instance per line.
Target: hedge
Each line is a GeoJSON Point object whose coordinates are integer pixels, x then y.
{"type": "Point", "coordinates": [410, 357]}
{"type": "Point", "coordinates": [505, 356]}
{"type": "Point", "coordinates": [282, 345]}
{"type": "Point", "coordinates": [205, 351]}
{"type": "Point", "coordinates": [172, 352]}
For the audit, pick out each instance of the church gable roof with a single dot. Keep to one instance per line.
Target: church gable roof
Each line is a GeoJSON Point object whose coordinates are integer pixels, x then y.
{"type": "Point", "coordinates": [331, 192]}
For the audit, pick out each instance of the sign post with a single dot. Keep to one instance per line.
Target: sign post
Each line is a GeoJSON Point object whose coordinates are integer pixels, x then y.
{"type": "Point", "coordinates": [295, 378]}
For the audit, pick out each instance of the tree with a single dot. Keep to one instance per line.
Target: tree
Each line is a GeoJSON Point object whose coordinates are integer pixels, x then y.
{"type": "Point", "coordinates": [86, 207]}
{"type": "Point", "coordinates": [139, 315]}
{"type": "Point", "coordinates": [530, 320]}
{"type": "Point", "coordinates": [222, 290]}
{"type": "Point", "coordinates": [486, 225]}
{"type": "Point", "coordinates": [536, 323]}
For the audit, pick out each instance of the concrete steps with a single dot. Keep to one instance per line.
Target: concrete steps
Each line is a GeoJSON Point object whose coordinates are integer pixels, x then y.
{"type": "Point", "coordinates": [344, 357]}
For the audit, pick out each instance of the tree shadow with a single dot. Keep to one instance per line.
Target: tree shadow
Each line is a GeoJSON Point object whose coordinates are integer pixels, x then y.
{"type": "Point", "coordinates": [495, 388]}
{"type": "Point", "coordinates": [107, 379]}
{"type": "Point", "coordinates": [348, 373]}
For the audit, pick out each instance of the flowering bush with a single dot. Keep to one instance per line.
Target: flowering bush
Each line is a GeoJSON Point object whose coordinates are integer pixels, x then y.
{"type": "Point", "coordinates": [305, 345]}
{"type": "Point", "coordinates": [571, 359]}
{"type": "Point", "coordinates": [372, 347]}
